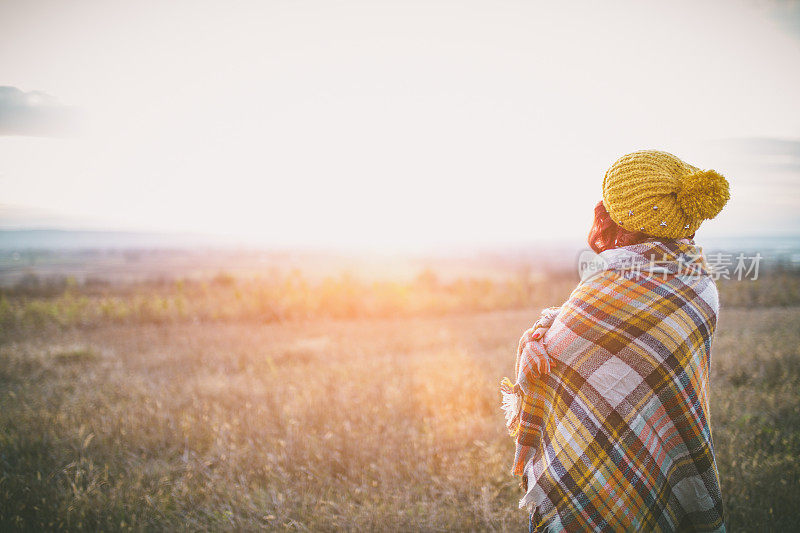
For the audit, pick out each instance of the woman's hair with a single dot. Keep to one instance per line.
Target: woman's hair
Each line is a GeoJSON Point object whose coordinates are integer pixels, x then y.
{"type": "Point", "coordinates": [606, 234]}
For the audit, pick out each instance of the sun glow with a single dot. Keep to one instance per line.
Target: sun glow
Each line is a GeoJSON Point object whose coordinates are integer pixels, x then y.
{"type": "Point", "coordinates": [386, 125]}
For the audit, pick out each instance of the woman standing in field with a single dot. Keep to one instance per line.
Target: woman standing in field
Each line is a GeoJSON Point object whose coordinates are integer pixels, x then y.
{"type": "Point", "coordinates": [610, 408]}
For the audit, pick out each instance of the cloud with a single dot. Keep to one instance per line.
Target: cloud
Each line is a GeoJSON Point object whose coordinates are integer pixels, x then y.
{"type": "Point", "coordinates": [787, 14]}
{"type": "Point", "coordinates": [763, 146]}
{"type": "Point", "coordinates": [35, 114]}
{"type": "Point", "coordinates": [765, 153]}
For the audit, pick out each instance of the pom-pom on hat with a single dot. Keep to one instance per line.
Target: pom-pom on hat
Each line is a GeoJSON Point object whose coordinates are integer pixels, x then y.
{"type": "Point", "coordinates": [658, 194]}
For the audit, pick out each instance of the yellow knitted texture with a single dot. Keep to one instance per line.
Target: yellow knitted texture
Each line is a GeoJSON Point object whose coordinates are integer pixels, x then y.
{"type": "Point", "coordinates": [658, 194]}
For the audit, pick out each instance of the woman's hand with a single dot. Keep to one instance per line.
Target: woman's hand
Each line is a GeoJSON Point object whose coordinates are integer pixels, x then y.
{"type": "Point", "coordinates": [526, 351]}
{"type": "Point", "coordinates": [532, 363]}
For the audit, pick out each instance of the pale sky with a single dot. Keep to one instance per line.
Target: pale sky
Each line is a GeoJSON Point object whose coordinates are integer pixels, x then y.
{"type": "Point", "coordinates": [393, 124]}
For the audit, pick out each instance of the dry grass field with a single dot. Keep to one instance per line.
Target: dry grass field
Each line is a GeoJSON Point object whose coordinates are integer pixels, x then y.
{"type": "Point", "coordinates": [331, 424]}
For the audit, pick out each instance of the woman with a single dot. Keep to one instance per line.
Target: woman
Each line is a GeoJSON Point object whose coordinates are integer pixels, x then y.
{"type": "Point", "coordinates": [610, 408]}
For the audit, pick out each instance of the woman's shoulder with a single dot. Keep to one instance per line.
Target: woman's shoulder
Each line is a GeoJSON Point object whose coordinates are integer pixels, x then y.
{"type": "Point", "coordinates": [614, 288]}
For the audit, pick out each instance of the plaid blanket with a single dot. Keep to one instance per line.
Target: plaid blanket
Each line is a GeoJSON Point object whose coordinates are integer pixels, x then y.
{"type": "Point", "coordinates": [610, 407]}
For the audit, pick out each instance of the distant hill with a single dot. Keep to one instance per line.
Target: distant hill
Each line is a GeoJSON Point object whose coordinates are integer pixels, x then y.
{"type": "Point", "coordinates": [130, 256]}
{"type": "Point", "coordinates": [62, 239]}
{"type": "Point", "coordinates": [55, 239]}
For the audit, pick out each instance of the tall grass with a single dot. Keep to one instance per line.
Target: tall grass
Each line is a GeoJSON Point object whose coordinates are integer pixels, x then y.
{"type": "Point", "coordinates": [33, 306]}
{"type": "Point", "coordinates": [355, 425]}
{"type": "Point", "coordinates": [29, 308]}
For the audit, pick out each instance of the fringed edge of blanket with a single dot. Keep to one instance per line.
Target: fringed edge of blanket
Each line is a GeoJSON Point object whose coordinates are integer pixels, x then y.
{"type": "Point", "coordinates": [511, 405]}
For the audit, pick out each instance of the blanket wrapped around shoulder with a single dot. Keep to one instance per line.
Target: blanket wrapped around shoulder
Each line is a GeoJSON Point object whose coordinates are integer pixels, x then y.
{"type": "Point", "coordinates": [616, 435]}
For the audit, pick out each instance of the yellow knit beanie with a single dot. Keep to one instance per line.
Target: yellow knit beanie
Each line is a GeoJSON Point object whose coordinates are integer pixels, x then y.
{"type": "Point", "coordinates": [660, 195]}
